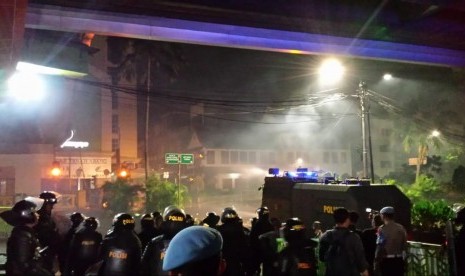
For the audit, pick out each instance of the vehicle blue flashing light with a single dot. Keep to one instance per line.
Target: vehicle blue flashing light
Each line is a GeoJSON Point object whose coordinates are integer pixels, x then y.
{"type": "Point", "coordinates": [305, 175]}
{"type": "Point", "coordinates": [273, 171]}
{"type": "Point", "coordinates": [301, 170]}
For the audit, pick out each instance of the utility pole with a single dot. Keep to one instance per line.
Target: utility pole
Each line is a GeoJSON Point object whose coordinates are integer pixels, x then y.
{"type": "Point", "coordinates": [362, 93]}
{"type": "Point", "coordinates": [147, 113]}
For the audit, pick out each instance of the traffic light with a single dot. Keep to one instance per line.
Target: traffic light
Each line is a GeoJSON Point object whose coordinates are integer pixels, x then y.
{"type": "Point", "coordinates": [123, 173]}
{"type": "Point", "coordinates": [56, 169]}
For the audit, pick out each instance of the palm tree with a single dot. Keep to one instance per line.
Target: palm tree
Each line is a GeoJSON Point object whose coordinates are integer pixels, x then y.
{"type": "Point", "coordinates": [422, 141]}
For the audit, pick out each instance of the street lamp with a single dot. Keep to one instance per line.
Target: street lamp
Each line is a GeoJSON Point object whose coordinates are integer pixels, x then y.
{"type": "Point", "coordinates": [332, 70]}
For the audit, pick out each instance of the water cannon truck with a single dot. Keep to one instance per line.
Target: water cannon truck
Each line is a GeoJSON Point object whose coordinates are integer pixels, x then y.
{"type": "Point", "coordinates": [305, 195]}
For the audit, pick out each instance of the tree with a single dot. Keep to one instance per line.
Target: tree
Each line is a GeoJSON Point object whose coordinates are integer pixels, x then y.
{"type": "Point", "coordinates": [161, 193]}
{"type": "Point", "coordinates": [143, 61]}
{"type": "Point", "coordinates": [120, 196]}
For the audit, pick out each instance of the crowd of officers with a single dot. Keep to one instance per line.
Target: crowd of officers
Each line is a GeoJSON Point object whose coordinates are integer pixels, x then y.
{"type": "Point", "coordinates": [270, 247]}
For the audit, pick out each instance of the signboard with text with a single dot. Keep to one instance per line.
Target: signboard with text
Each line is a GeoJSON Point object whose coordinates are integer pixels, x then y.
{"type": "Point", "coordinates": [187, 159]}
{"type": "Point", "coordinates": [176, 158]}
{"type": "Point", "coordinates": [171, 158]}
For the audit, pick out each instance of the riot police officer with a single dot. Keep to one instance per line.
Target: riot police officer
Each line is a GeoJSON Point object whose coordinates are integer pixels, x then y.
{"type": "Point", "coordinates": [152, 258]}
{"type": "Point", "coordinates": [76, 219]}
{"type": "Point", "coordinates": [23, 247]}
{"type": "Point", "coordinates": [261, 226]}
{"type": "Point", "coordinates": [47, 231]}
{"type": "Point", "coordinates": [148, 230]}
{"type": "Point", "coordinates": [235, 243]}
{"type": "Point", "coordinates": [211, 220]}
{"type": "Point", "coordinates": [298, 256]}
{"type": "Point", "coordinates": [84, 247]}
{"type": "Point", "coordinates": [121, 249]}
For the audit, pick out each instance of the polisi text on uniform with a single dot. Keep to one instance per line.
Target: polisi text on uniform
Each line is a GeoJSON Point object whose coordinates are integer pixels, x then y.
{"type": "Point", "coordinates": [328, 209]}
{"type": "Point", "coordinates": [175, 218]}
{"type": "Point", "coordinates": [118, 255]}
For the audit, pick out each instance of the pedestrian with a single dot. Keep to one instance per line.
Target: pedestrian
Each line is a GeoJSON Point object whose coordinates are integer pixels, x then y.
{"type": "Point", "coordinates": [391, 245]}
{"type": "Point", "coordinates": [47, 231]}
{"type": "Point", "coordinates": [195, 251]}
{"type": "Point", "coordinates": [235, 243]}
{"type": "Point", "coordinates": [298, 256]}
{"type": "Point", "coordinates": [148, 230]}
{"type": "Point", "coordinates": [261, 226]}
{"type": "Point", "coordinates": [76, 219]}
{"type": "Point", "coordinates": [153, 256]}
{"type": "Point", "coordinates": [317, 230]}
{"type": "Point", "coordinates": [354, 216]}
{"type": "Point", "coordinates": [341, 249]}
{"type": "Point", "coordinates": [460, 243]}
{"type": "Point", "coordinates": [121, 248]}
{"type": "Point", "coordinates": [22, 249]}
{"type": "Point", "coordinates": [84, 248]}
{"type": "Point", "coordinates": [369, 237]}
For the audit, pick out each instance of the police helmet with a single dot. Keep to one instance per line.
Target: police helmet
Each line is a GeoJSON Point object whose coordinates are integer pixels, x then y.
{"type": "Point", "coordinates": [263, 212]}
{"type": "Point", "coordinates": [123, 221]}
{"type": "Point", "coordinates": [229, 215]}
{"type": "Point", "coordinates": [174, 220]}
{"type": "Point", "coordinates": [293, 229]}
{"type": "Point", "coordinates": [25, 211]}
{"type": "Point", "coordinates": [76, 218]}
{"type": "Point", "coordinates": [173, 213]}
{"type": "Point", "coordinates": [49, 197]}
{"type": "Point", "coordinates": [147, 221]}
{"type": "Point", "coordinates": [91, 223]}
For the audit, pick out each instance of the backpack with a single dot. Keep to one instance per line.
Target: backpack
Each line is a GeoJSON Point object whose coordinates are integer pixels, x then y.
{"type": "Point", "coordinates": [337, 259]}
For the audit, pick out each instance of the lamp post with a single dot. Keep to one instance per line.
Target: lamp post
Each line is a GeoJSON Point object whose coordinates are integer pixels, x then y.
{"type": "Point", "coordinates": [362, 94]}
{"type": "Point", "coordinates": [332, 70]}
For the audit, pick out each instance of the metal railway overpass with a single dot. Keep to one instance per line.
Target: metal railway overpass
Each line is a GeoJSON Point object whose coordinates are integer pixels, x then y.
{"type": "Point", "coordinates": [273, 30]}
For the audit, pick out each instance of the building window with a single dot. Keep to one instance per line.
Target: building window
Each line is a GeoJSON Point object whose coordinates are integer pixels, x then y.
{"type": "Point", "coordinates": [290, 157]}
{"type": "Point", "coordinates": [252, 157]}
{"type": "Point", "coordinates": [243, 157]}
{"type": "Point", "coordinates": [114, 144]}
{"type": "Point", "coordinates": [272, 157]}
{"type": "Point", "coordinates": [114, 100]}
{"type": "Point", "coordinates": [334, 158]}
{"type": "Point", "coordinates": [386, 164]}
{"type": "Point", "coordinates": [326, 157]}
{"type": "Point", "coordinates": [224, 157]}
{"type": "Point", "coordinates": [263, 159]}
{"type": "Point", "coordinates": [234, 155]}
{"type": "Point", "coordinates": [343, 157]}
{"type": "Point", "coordinates": [384, 148]}
{"type": "Point", "coordinates": [210, 157]}
{"type": "Point", "coordinates": [114, 124]}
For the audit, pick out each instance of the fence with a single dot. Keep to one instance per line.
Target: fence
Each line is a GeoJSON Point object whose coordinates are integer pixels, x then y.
{"type": "Point", "coordinates": [423, 259]}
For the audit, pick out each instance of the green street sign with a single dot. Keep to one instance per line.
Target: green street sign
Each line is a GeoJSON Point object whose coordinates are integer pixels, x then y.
{"type": "Point", "coordinates": [171, 158]}
{"type": "Point", "coordinates": [187, 159]}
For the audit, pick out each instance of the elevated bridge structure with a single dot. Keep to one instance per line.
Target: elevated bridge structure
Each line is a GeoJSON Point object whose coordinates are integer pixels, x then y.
{"type": "Point", "coordinates": [421, 31]}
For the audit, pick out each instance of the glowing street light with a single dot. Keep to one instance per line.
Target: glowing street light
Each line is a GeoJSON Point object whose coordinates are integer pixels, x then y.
{"type": "Point", "coordinates": [387, 77]}
{"type": "Point", "coordinates": [331, 71]}
{"type": "Point", "coordinates": [26, 86]}
{"type": "Point", "coordinates": [435, 133]}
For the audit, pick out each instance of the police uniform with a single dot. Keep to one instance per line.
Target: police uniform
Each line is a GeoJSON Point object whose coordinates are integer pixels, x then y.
{"type": "Point", "coordinates": [298, 256]}
{"type": "Point", "coordinates": [390, 246]}
{"type": "Point", "coordinates": [154, 253]}
{"type": "Point", "coordinates": [47, 231]}
{"type": "Point", "coordinates": [261, 226]}
{"type": "Point", "coordinates": [235, 243]}
{"type": "Point", "coordinates": [23, 246]}
{"type": "Point", "coordinates": [84, 248]}
{"type": "Point", "coordinates": [121, 250]}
